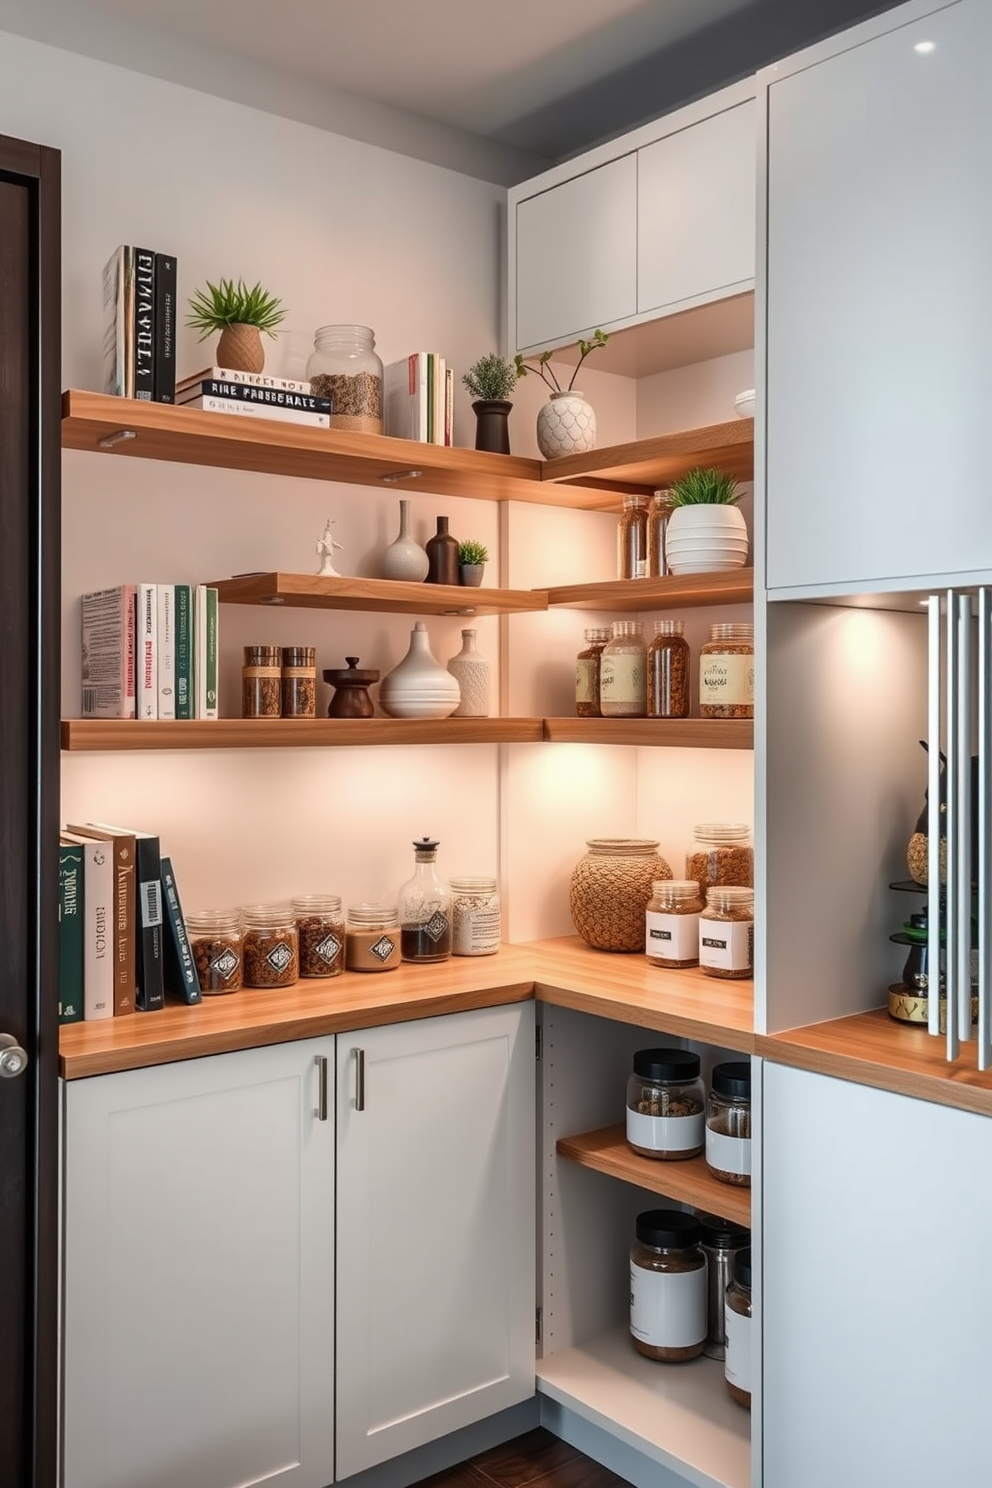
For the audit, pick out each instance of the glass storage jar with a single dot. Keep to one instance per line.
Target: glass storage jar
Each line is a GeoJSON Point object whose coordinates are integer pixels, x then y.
{"type": "Point", "coordinates": [424, 904]}
{"type": "Point", "coordinates": [721, 854]}
{"type": "Point", "coordinates": [671, 928]}
{"type": "Point", "coordinates": [320, 928]}
{"type": "Point", "coordinates": [728, 1123]}
{"type": "Point", "coordinates": [721, 1240]}
{"type": "Point", "coordinates": [261, 681]}
{"type": "Point", "coordinates": [726, 672]}
{"type": "Point", "coordinates": [587, 665]}
{"type": "Point", "coordinates": [658, 514]}
{"type": "Point", "coordinates": [726, 933]}
{"type": "Point", "coordinates": [270, 947]}
{"type": "Point", "coordinates": [475, 917]}
{"type": "Point", "coordinates": [668, 671]}
{"type": "Point", "coordinates": [737, 1326]}
{"type": "Point", "coordinates": [299, 682]}
{"type": "Point", "coordinates": [632, 539]}
{"type": "Point", "coordinates": [667, 1286]}
{"type": "Point", "coordinates": [665, 1104]}
{"type": "Point", "coordinates": [344, 367]}
{"type": "Point", "coordinates": [622, 682]}
{"type": "Point", "coordinates": [372, 938]}
{"type": "Point", "coordinates": [215, 941]}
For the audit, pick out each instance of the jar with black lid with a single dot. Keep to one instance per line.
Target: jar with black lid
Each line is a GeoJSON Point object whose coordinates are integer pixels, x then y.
{"type": "Point", "coordinates": [666, 1104]}
{"type": "Point", "coordinates": [721, 1240]}
{"type": "Point", "coordinates": [667, 1286]}
{"type": "Point", "coordinates": [737, 1360]}
{"type": "Point", "coordinates": [728, 1123]}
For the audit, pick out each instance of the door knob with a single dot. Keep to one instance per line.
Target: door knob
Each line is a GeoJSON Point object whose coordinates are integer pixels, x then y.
{"type": "Point", "coordinates": [13, 1059]}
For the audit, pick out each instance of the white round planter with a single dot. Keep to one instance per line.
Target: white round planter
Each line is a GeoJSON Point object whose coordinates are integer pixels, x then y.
{"type": "Point", "coordinates": [566, 426]}
{"type": "Point", "coordinates": [706, 539]}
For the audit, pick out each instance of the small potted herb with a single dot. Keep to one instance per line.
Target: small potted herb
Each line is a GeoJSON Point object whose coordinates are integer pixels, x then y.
{"type": "Point", "coordinates": [491, 380]}
{"type": "Point", "coordinates": [706, 530]}
{"type": "Point", "coordinates": [472, 558]}
{"type": "Point", "coordinates": [240, 314]}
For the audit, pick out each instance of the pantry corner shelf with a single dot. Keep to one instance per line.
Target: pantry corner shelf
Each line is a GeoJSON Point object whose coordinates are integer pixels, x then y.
{"type": "Point", "coordinates": [106, 734]}
{"type": "Point", "coordinates": [675, 733]}
{"type": "Point", "coordinates": [687, 591]}
{"type": "Point", "coordinates": [649, 463]}
{"type": "Point", "coordinates": [688, 1182]}
{"type": "Point", "coordinates": [386, 596]}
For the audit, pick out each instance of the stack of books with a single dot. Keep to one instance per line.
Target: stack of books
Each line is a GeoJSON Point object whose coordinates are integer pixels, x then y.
{"type": "Point", "coordinates": [122, 935]}
{"type": "Point", "coordinates": [419, 398]}
{"type": "Point", "coordinates": [221, 390]}
{"type": "Point", "coordinates": [139, 324]}
{"type": "Point", "coordinates": [150, 651]}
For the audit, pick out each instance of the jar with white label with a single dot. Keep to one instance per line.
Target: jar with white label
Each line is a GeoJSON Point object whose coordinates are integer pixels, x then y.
{"type": "Point", "coordinates": [671, 924]}
{"type": "Point", "coordinates": [728, 1123]}
{"type": "Point", "coordinates": [475, 917]}
{"type": "Point", "coordinates": [270, 948]}
{"type": "Point", "coordinates": [667, 1286]}
{"type": "Point", "coordinates": [372, 938]}
{"type": "Point", "coordinates": [666, 1104]}
{"type": "Point", "coordinates": [623, 672]}
{"type": "Point", "coordinates": [726, 933]}
{"type": "Point", "coordinates": [320, 926]}
{"type": "Point", "coordinates": [737, 1326]}
{"type": "Point", "coordinates": [726, 672]}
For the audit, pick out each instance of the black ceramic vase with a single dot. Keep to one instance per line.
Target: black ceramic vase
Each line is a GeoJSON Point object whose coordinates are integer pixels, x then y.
{"type": "Point", "coordinates": [492, 431]}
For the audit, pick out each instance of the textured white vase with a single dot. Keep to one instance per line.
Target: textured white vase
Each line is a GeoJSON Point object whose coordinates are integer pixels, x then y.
{"type": "Point", "coordinates": [705, 539]}
{"type": "Point", "coordinates": [566, 426]}
{"type": "Point", "coordinates": [471, 672]}
{"type": "Point", "coordinates": [404, 558]}
{"type": "Point", "coordinates": [420, 687]}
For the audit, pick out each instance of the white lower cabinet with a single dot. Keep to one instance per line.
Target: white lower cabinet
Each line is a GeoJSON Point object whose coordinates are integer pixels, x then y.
{"type": "Point", "coordinates": [198, 1294]}
{"type": "Point", "coordinates": [435, 1228]}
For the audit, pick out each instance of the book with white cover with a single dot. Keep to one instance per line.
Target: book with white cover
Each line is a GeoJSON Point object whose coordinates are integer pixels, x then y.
{"type": "Point", "coordinates": [251, 379]}
{"type": "Point", "coordinates": [146, 635]}
{"type": "Point", "coordinates": [99, 943]}
{"type": "Point", "coordinates": [166, 651]}
{"type": "Point", "coordinates": [404, 397]}
{"type": "Point", "coordinates": [108, 672]}
{"type": "Point", "coordinates": [260, 411]}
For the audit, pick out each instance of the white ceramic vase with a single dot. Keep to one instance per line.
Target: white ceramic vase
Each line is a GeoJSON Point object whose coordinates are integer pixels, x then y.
{"type": "Point", "coordinates": [566, 426]}
{"type": "Point", "coordinates": [705, 539]}
{"type": "Point", "coordinates": [471, 672]}
{"type": "Point", "coordinates": [404, 558]}
{"type": "Point", "coordinates": [420, 687]}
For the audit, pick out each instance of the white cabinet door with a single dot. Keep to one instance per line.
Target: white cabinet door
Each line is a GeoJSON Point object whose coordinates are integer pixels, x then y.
{"type": "Point", "coordinates": [199, 1274]}
{"type": "Point", "coordinates": [435, 1238]}
{"type": "Point", "coordinates": [879, 316]}
{"type": "Point", "coordinates": [576, 255]}
{"type": "Point", "coordinates": [695, 212]}
{"type": "Point", "coordinates": [874, 1298]}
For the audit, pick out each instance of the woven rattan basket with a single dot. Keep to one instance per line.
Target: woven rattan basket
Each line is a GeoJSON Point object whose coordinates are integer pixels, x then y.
{"type": "Point", "coordinates": [610, 889]}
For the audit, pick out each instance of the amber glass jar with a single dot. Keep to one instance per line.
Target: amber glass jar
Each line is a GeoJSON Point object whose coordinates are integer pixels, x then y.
{"type": "Point", "coordinates": [667, 1286]}
{"type": "Point", "coordinates": [726, 672]}
{"type": "Point", "coordinates": [671, 929]}
{"type": "Point", "coordinates": [622, 683]}
{"type": "Point", "coordinates": [632, 539]}
{"type": "Point", "coordinates": [587, 665]}
{"type": "Point", "coordinates": [668, 671]}
{"type": "Point", "coordinates": [261, 681]}
{"type": "Point", "coordinates": [737, 1327]}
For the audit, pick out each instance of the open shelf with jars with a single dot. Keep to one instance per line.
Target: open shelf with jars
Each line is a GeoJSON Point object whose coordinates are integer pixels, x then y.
{"type": "Point", "coordinates": [689, 1182]}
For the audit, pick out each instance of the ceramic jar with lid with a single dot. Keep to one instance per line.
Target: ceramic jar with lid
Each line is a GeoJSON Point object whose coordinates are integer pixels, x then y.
{"type": "Point", "coordinates": [728, 1123]}
{"type": "Point", "coordinates": [351, 685]}
{"type": "Point", "coordinates": [671, 923]}
{"type": "Point", "coordinates": [667, 1286]}
{"type": "Point", "coordinates": [726, 933]}
{"type": "Point", "coordinates": [737, 1327]}
{"type": "Point", "coordinates": [666, 1104]}
{"type": "Point", "coordinates": [344, 367]}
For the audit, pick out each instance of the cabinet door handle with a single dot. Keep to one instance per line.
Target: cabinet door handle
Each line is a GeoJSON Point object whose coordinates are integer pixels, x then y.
{"type": "Point", "coordinates": [984, 873]}
{"type": "Point", "coordinates": [320, 1060]}
{"type": "Point", "coordinates": [964, 866]}
{"type": "Point", "coordinates": [359, 1079]}
{"type": "Point", "coordinates": [934, 823]}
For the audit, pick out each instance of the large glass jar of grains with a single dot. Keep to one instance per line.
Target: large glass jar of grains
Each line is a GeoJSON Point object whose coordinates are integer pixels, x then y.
{"type": "Point", "coordinates": [668, 671]}
{"type": "Point", "coordinates": [587, 665]}
{"type": "Point", "coordinates": [215, 941]}
{"type": "Point", "coordinates": [320, 927]}
{"type": "Point", "coordinates": [622, 681]}
{"type": "Point", "coordinates": [667, 1286]}
{"type": "Point", "coordinates": [344, 367]}
{"type": "Point", "coordinates": [721, 854]}
{"type": "Point", "coordinates": [261, 682]}
{"type": "Point", "coordinates": [726, 933]}
{"type": "Point", "coordinates": [270, 947]}
{"type": "Point", "coordinates": [726, 672]}
{"type": "Point", "coordinates": [666, 1104]}
{"type": "Point", "coordinates": [632, 539]}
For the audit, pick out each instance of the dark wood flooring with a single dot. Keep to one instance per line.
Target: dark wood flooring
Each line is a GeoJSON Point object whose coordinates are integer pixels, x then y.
{"type": "Point", "coordinates": [535, 1460]}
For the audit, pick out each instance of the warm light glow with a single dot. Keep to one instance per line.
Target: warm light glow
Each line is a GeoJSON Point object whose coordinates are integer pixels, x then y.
{"type": "Point", "coordinates": [924, 46]}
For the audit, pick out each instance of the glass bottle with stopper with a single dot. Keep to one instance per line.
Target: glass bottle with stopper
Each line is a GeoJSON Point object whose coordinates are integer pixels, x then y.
{"type": "Point", "coordinates": [425, 909]}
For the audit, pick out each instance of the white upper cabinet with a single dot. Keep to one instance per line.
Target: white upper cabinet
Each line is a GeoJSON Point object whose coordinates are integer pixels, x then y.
{"type": "Point", "coordinates": [695, 212]}
{"type": "Point", "coordinates": [879, 316]}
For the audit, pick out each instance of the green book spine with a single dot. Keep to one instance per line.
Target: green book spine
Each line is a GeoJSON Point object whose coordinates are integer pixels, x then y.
{"type": "Point", "coordinates": [431, 409]}
{"type": "Point", "coordinates": [213, 654]}
{"type": "Point", "coordinates": [70, 932]}
{"type": "Point", "coordinates": [184, 650]}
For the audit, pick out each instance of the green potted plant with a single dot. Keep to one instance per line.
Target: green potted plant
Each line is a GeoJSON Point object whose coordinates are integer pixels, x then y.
{"type": "Point", "coordinates": [566, 425]}
{"type": "Point", "coordinates": [471, 562]}
{"type": "Point", "coordinates": [706, 531]}
{"type": "Point", "coordinates": [490, 381]}
{"type": "Point", "coordinates": [240, 314]}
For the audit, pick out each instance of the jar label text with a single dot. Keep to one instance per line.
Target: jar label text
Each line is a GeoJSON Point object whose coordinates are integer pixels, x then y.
{"type": "Point", "coordinates": [728, 1154]}
{"type": "Point", "coordinates": [383, 948]}
{"type": "Point", "coordinates": [668, 1308]}
{"type": "Point", "coordinates": [587, 680]}
{"type": "Point", "coordinates": [726, 945]}
{"type": "Point", "coordinates": [673, 937]}
{"type": "Point", "coordinates": [726, 679]}
{"type": "Point", "coordinates": [621, 678]}
{"type": "Point", "coordinates": [737, 1359]}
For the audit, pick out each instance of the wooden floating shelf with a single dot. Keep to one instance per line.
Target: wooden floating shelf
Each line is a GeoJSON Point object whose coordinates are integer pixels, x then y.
{"type": "Point", "coordinates": [309, 591]}
{"type": "Point", "coordinates": [649, 463]}
{"type": "Point", "coordinates": [674, 733]}
{"type": "Point", "coordinates": [689, 1182]}
{"type": "Point", "coordinates": [683, 591]}
{"type": "Point", "coordinates": [284, 733]}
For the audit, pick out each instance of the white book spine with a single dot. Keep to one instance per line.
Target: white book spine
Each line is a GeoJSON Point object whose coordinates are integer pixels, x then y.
{"type": "Point", "coordinates": [254, 410]}
{"type": "Point", "coordinates": [166, 651]}
{"type": "Point", "coordinates": [146, 632]}
{"type": "Point", "coordinates": [108, 670]}
{"type": "Point", "coordinates": [113, 324]}
{"type": "Point", "coordinates": [99, 942]}
{"type": "Point", "coordinates": [438, 400]}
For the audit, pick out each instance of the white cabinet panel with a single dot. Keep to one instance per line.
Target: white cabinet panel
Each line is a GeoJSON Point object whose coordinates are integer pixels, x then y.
{"type": "Point", "coordinates": [198, 1274]}
{"type": "Point", "coordinates": [695, 211]}
{"type": "Point", "coordinates": [576, 255]}
{"type": "Point", "coordinates": [879, 316]}
{"type": "Point", "coordinates": [435, 1241]}
{"type": "Point", "coordinates": [876, 1313]}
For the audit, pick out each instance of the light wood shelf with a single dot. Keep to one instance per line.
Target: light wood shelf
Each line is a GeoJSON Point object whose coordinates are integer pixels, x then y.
{"type": "Point", "coordinates": [386, 596]}
{"type": "Point", "coordinates": [675, 733]}
{"type": "Point", "coordinates": [682, 591]}
{"type": "Point", "coordinates": [688, 1182]}
{"type": "Point", "coordinates": [96, 734]}
{"type": "Point", "coordinates": [649, 463]}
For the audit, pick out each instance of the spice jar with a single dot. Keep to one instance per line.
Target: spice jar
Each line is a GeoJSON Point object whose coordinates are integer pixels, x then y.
{"type": "Point", "coordinates": [721, 854]}
{"type": "Point", "coordinates": [721, 1241]}
{"type": "Point", "coordinates": [587, 665]}
{"type": "Point", "coordinates": [270, 946]}
{"type": "Point", "coordinates": [343, 366]}
{"type": "Point", "coordinates": [424, 904]}
{"type": "Point", "coordinates": [726, 672]}
{"type": "Point", "coordinates": [320, 928]}
{"type": "Point", "coordinates": [299, 682]}
{"type": "Point", "coordinates": [658, 514]}
{"type": "Point", "coordinates": [215, 941]}
{"type": "Point", "coordinates": [726, 933]}
{"type": "Point", "coordinates": [667, 1286]}
{"type": "Point", "coordinates": [671, 929]}
{"type": "Point", "coordinates": [475, 917]}
{"type": "Point", "coordinates": [728, 1123]}
{"type": "Point", "coordinates": [622, 685]}
{"type": "Point", "coordinates": [372, 938]}
{"type": "Point", "coordinates": [668, 671]}
{"type": "Point", "coordinates": [737, 1324]}
{"type": "Point", "coordinates": [665, 1104]}
{"type": "Point", "coordinates": [632, 539]}
{"type": "Point", "coordinates": [261, 676]}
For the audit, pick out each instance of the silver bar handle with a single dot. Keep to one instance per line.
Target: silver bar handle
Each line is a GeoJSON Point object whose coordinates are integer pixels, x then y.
{"type": "Point", "coordinates": [934, 670]}
{"type": "Point", "coordinates": [951, 830]}
{"type": "Point", "coordinates": [963, 867]}
{"type": "Point", "coordinates": [984, 866]}
{"type": "Point", "coordinates": [320, 1060]}
{"type": "Point", "coordinates": [359, 1079]}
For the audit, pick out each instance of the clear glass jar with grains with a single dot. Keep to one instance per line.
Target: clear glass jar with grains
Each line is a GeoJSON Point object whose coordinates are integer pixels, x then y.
{"type": "Point", "coordinates": [668, 671]}
{"type": "Point", "coordinates": [344, 367]}
{"type": "Point", "coordinates": [632, 539]}
{"type": "Point", "coordinates": [622, 681]}
{"type": "Point", "coordinates": [587, 665]}
{"type": "Point", "coordinates": [726, 672]}
{"type": "Point", "coordinates": [671, 929]}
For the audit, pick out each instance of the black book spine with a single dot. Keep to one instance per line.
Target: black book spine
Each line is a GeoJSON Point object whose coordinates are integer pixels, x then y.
{"type": "Point", "coordinates": [180, 970]}
{"type": "Point", "coordinates": [165, 328]}
{"type": "Point", "coordinates": [151, 949]}
{"type": "Point", "coordinates": [144, 323]}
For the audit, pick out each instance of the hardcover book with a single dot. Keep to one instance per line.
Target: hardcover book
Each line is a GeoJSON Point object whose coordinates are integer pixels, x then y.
{"type": "Point", "coordinates": [404, 388]}
{"type": "Point", "coordinates": [144, 324]}
{"type": "Point", "coordinates": [70, 931]}
{"type": "Point", "coordinates": [122, 848]}
{"type": "Point", "coordinates": [165, 328]}
{"type": "Point", "coordinates": [184, 650]}
{"type": "Point", "coordinates": [246, 392]}
{"type": "Point", "coordinates": [248, 379]}
{"type": "Point", "coordinates": [146, 632]}
{"type": "Point", "coordinates": [166, 637]}
{"type": "Point", "coordinates": [108, 621]}
{"type": "Point", "coordinates": [98, 935]}
{"type": "Point", "coordinates": [254, 410]}
{"type": "Point", "coordinates": [118, 352]}
{"type": "Point", "coordinates": [205, 652]}
{"type": "Point", "coordinates": [180, 968]}
{"type": "Point", "coordinates": [149, 949]}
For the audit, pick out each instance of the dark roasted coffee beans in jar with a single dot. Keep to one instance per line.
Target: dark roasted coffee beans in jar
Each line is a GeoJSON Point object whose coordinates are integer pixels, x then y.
{"type": "Point", "coordinates": [667, 1286]}
{"type": "Point", "coordinates": [587, 673]}
{"type": "Point", "coordinates": [666, 1104]}
{"type": "Point", "coordinates": [721, 854]}
{"type": "Point", "coordinates": [261, 682]}
{"type": "Point", "coordinates": [728, 1123]}
{"type": "Point", "coordinates": [215, 941]}
{"type": "Point", "coordinates": [668, 671]}
{"type": "Point", "coordinates": [737, 1327]}
{"type": "Point", "coordinates": [299, 682]}
{"type": "Point", "coordinates": [726, 933]}
{"type": "Point", "coordinates": [726, 672]}
{"type": "Point", "coordinates": [320, 929]}
{"type": "Point", "coordinates": [270, 945]}
{"type": "Point", "coordinates": [671, 923]}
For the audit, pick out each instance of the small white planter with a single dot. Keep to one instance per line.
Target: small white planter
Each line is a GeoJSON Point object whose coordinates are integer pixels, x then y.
{"type": "Point", "coordinates": [566, 426]}
{"type": "Point", "coordinates": [706, 539]}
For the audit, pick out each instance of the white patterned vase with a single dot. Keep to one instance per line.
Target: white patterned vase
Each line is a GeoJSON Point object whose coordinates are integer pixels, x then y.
{"type": "Point", "coordinates": [471, 672]}
{"type": "Point", "coordinates": [420, 687]}
{"type": "Point", "coordinates": [405, 558]}
{"type": "Point", "coordinates": [566, 426]}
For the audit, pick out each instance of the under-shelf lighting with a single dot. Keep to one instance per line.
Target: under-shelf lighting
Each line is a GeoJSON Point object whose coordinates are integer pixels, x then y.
{"type": "Point", "coordinates": [117, 438]}
{"type": "Point", "coordinates": [401, 475]}
{"type": "Point", "coordinates": [923, 47]}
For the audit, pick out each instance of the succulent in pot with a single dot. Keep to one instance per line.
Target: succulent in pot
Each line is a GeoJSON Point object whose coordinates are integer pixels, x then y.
{"type": "Point", "coordinates": [472, 558]}
{"type": "Point", "coordinates": [706, 530]}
